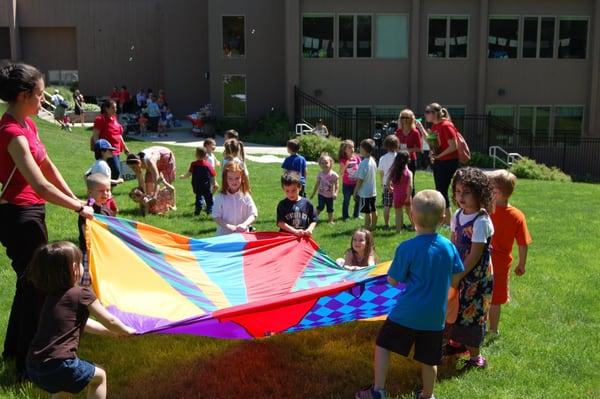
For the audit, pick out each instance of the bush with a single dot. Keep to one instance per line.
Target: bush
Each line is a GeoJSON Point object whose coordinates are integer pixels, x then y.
{"type": "Point", "coordinates": [91, 107]}
{"type": "Point", "coordinates": [243, 126]}
{"type": "Point", "coordinates": [480, 160]}
{"type": "Point", "coordinates": [312, 146]}
{"type": "Point", "coordinates": [270, 129]}
{"type": "Point", "coordinates": [529, 169]}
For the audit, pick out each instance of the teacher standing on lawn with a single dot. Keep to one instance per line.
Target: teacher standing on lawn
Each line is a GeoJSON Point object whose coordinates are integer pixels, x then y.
{"type": "Point", "coordinates": [106, 126]}
{"type": "Point", "coordinates": [29, 179]}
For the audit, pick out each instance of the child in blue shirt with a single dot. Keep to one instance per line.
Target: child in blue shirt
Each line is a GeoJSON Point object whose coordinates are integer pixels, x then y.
{"type": "Point", "coordinates": [365, 184]}
{"type": "Point", "coordinates": [296, 163]}
{"type": "Point", "coordinates": [428, 264]}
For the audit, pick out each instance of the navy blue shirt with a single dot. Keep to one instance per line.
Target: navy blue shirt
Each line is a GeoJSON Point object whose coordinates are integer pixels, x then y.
{"type": "Point", "coordinates": [298, 214]}
{"type": "Point", "coordinates": [425, 264]}
{"type": "Point", "coordinates": [296, 163]}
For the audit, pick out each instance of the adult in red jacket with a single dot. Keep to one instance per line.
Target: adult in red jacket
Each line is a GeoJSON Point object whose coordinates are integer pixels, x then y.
{"type": "Point", "coordinates": [107, 126]}
{"type": "Point", "coordinates": [445, 161]}
{"type": "Point", "coordinates": [29, 179]}
{"type": "Point", "coordinates": [410, 139]}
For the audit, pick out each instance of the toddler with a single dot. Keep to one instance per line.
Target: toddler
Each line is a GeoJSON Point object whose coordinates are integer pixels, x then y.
{"type": "Point", "coordinates": [361, 252]}
{"type": "Point", "coordinates": [327, 185]}
{"type": "Point", "coordinates": [211, 145]}
{"type": "Point", "coordinates": [232, 152]}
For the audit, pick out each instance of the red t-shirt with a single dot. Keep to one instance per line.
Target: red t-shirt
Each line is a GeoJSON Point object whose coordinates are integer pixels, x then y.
{"type": "Point", "coordinates": [124, 96]}
{"type": "Point", "coordinates": [115, 95]}
{"type": "Point", "coordinates": [509, 225]}
{"type": "Point", "coordinates": [18, 191]}
{"type": "Point", "coordinates": [411, 140]}
{"type": "Point", "coordinates": [445, 131]}
{"type": "Point", "coordinates": [111, 130]}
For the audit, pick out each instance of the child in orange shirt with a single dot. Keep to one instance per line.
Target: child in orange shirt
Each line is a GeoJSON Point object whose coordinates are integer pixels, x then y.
{"type": "Point", "coordinates": [510, 225]}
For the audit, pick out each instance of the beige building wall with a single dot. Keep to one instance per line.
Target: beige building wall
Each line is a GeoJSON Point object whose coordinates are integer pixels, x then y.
{"type": "Point", "coordinates": [49, 48]}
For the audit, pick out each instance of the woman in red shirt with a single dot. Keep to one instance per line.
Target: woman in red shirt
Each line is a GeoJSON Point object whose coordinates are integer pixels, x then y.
{"type": "Point", "coordinates": [410, 139]}
{"type": "Point", "coordinates": [445, 162]}
{"type": "Point", "coordinates": [29, 179]}
{"type": "Point", "coordinates": [106, 126]}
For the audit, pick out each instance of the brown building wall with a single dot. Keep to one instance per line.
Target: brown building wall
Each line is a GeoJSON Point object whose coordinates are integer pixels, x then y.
{"type": "Point", "coordinates": [49, 48]}
{"type": "Point", "coordinates": [4, 44]}
{"type": "Point", "coordinates": [264, 61]}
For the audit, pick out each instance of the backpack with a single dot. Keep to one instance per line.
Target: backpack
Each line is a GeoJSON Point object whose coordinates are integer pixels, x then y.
{"type": "Point", "coordinates": [464, 153]}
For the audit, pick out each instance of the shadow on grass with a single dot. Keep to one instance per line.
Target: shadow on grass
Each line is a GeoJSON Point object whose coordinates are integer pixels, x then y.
{"type": "Point", "coordinates": [324, 363]}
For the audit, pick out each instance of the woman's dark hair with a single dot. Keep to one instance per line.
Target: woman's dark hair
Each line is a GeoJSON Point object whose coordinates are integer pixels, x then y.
{"type": "Point", "coordinates": [106, 105]}
{"type": "Point", "coordinates": [478, 183]}
{"type": "Point", "coordinates": [16, 78]}
{"type": "Point", "coordinates": [133, 159]}
{"type": "Point", "coordinates": [51, 268]}
{"type": "Point", "coordinates": [400, 162]}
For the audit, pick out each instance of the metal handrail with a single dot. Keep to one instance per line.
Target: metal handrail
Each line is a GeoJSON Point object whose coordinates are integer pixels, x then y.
{"type": "Point", "coordinates": [511, 157]}
{"type": "Point", "coordinates": [303, 128]}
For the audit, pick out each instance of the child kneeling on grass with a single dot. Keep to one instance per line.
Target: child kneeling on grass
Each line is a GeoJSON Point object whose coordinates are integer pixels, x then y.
{"type": "Point", "coordinates": [427, 264]}
{"type": "Point", "coordinates": [52, 362]}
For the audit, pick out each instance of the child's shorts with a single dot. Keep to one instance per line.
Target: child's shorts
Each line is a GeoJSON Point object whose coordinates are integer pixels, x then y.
{"type": "Point", "coordinates": [367, 205]}
{"type": "Point", "coordinates": [467, 335]}
{"type": "Point", "coordinates": [500, 292]}
{"type": "Point", "coordinates": [68, 375]}
{"type": "Point", "coordinates": [323, 202]}
{"type": "Point", "coordinates": [400, 339]}
{"type": "Point", "coordinates": [388, 197]}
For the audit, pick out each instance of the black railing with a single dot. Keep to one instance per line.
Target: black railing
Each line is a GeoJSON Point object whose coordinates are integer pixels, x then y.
{"type": "Point", "coordinates": [575, 155]}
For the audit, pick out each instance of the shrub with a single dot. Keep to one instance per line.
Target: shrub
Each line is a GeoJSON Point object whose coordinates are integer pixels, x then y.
{"type": "Point", "coordinates": [481, 160]}
{"type": "Point", "coordinates": [312, 146]}
{"type": "Point", "coordinates": [529, 169]}
{"type": "Point", "coordinates": [91, 107]}
{"type": "Point", "coordinates": [243, 126]}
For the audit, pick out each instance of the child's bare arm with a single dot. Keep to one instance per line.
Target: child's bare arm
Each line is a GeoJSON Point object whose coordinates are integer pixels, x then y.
{"type": "Point", "coordinates": [456, 280]}
{"type": "Point", "coordinates": [473, 257]}
{"type": "Point", "coordinates": [109, 321]}
{"type": "Point", "coordinates": [391, 281]}
{"type": "Point", "coordinates": [359, 183]}
{"type": "Point", "coordinates": [310, 228]}
{"type": "Point", "coordinates": [93, 327]}
{"type": "Point", "coordinates": [286, 227]}
{"type": "Point", "coordinates": [336, 188]}
{"type": "Point", "coordinates": [520, 269]}
{"type": "Point", "coordinates": [185, 176]}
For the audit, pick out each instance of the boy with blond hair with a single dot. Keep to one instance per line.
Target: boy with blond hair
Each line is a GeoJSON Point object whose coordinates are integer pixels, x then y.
{"type": "Point", "coordinates": [510, 226]}
{"type": "Point", "coordinates": [427, 264]}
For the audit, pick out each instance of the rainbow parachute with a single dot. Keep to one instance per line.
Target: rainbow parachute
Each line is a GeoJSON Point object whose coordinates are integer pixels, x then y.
{"type": "Point", "coordinates": [233, 286]}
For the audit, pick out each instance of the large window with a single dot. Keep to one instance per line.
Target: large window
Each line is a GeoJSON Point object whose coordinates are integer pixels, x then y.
{"type": "Point", "coordinates": [233, 36]}
{"type": "Point", "coordinates": [534, 121]}
{"type": "Point", "coordinates": [568, 121]}
{"type": "Point", "coordinates": [538, 37]}
{"type": "Point", "coordinates": [448, 37]}
{"type": "Point", "coordinates": [354, 36]}
{"type": "Point", "coordinates": [387, 113]}
{"type": "Point", "coordinates": [234, 95]}
{"type": "Point", "coordinates": [391, 36]}
{"type": "Point", "coordinates": [572, 37]}
{"type": "Point", "coordinates": [503, 37]}
{"type": "Point", "coordinates": [505, 113]}
{"type": "Point", "coordinates": [317, 36]}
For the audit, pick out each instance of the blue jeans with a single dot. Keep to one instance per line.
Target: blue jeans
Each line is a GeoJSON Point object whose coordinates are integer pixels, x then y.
{"type": "Point", "coordinates": [115, 167]}
{"type": "Point", "coordinates": [69, 375]}
{"type": "Point", "coordinates": [348, 191]}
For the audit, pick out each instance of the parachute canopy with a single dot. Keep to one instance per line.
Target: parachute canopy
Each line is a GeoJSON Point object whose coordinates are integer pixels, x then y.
{"type": "Point", "coordinates": [237, 286]}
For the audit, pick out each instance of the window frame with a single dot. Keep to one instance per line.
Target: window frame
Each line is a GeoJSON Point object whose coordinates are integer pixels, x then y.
{"type": "Point", "coordinates": [391, 106]}
{"type": "Point", "coordinates": [222, 41]}
{"type": "Point", "coordinates": [376, 39]}
{"type": "Point", "coordinates": [245, 93]}
{"type": "Point", "coordinates": [336, 34]}
{"type": "Point", "coordinates": [539, 37]}
{"type": "Point", "coordinates": [534, 118]}
{"type": "Point", "coordinates": [587, 34]}
{"type": "Point", "coordinates": [514, 107]}
{"type": "Point", "coordinates": [448, 18]}
{"type": "Point", "coordinates": [519, 20]}
{"type": "Point", "coordinates": [583, 115]}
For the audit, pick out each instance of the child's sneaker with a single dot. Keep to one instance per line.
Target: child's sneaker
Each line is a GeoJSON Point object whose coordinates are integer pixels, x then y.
{"type": "Point", "coordinates": [370, 393]}
{"type": "Point", "coordinates": [478, 362]}
{"type": "Point", "coordinates": [419, 395]}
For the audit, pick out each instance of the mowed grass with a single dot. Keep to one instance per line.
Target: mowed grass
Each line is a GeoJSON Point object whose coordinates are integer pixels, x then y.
{"type": "Point", "coordinates": [549, 341]}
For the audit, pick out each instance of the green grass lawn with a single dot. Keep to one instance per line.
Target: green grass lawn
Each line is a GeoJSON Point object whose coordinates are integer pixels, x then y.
{"type": "Point", "coordinates": [550, 331]}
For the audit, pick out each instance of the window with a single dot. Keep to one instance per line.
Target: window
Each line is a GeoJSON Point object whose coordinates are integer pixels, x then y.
{"type": "Point", "coordinates": [354, 36]}
{"type": "Point", "coordinates": [534, 121]}
{"type": "Point", "coordinates": [391, 36]}
{"type": "Point", "coordinates": [317, 36]}
{"type": "Point", "coordinates": [234, 95]}
{"type": "Point", "coordinates": [568, 121]}
{"type": "Point", "coordinates": [62, 77]}
{"type": "Point", "coordinates": [572, 37]}
{"type": "Point", "coordinates": [233, 36]}
{"type": "Point", "coordinates": [448, 37]}
{"type": "Point", "coordinates": [505, 113]}
{"type": "Point", "coordinates": [538, 37]}
{"type": "Point", "coordinates": [387, 113]}
{"type": "Point", "coordinates": [503, 38]}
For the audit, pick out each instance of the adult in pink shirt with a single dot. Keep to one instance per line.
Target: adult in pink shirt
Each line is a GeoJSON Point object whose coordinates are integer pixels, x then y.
{"type": "Point", "coordinates": [29, 179]}
{"type": "Point", "coordinates": [107, 126]}
{"type": "Point", "coordinates": [410, 139]}
{"type": "Point", "coordinates": [445, 162]}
